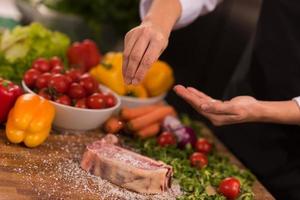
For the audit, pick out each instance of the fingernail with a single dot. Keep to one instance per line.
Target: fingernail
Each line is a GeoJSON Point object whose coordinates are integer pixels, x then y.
{"type": "Point", "coordinates": [175, 88]}
{"type": "Point", "coordinates": [204, 107]}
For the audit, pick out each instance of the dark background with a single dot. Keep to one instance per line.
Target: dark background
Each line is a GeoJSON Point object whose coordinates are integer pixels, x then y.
{"type": "Point", "coordinates": [206, 53]}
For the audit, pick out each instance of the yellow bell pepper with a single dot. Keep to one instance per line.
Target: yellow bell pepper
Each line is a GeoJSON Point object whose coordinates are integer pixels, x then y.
{"type": "Point", "coordinates": [109, 72]}
{"type": "Point", "coordinates": [138, 91]}
{"type": "Point", "coordinates": [30, 120]}
{"type": "Point", "coordinates": [159, 79]}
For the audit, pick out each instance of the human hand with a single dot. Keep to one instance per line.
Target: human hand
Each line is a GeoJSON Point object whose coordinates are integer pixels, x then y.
{"type": "Point", "coordinates": [238, 110]}
{"type": "Point", "coordinates": [142, 47]}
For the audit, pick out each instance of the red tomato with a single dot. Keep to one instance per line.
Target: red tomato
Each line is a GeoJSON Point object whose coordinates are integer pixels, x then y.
{"type": "Point", "coordinates": [230, 187]}
{"type": "Point", "coordinates": [31, 76]}
{"type": "Point", "coordinates": [56, 61]}
{"type": "Point", "coordinates": [84, 55]}
{"type": "Point", "coordinates": [64, 99]}
{"type": "Point", "coordinates": [45, 93]}
{"type": "Point", "coordinates": [203, 145]}
{"type": "Point", "coordinates": [89, 83]}
{"type": "Point", "coordinates": [41, 64]}
{"type": "Point", "coordinates": [110, 100]}
{"type": "Point", "coordinates": [59, 83]}
{"type": "Point", "coordinates": [81, 103]}
{"type": "Point", "coordinates": [57, 69]}
{"type": "Point", "coordinates": [96, 101]}
{"type": "Point", "coordinates": [166, 138]}
{"type": "Point", "coordinates": [76, 91]}
{"type": "Point", "coordinates": [68, 79]}
{"type": "Point", "coordinates": [198, 160]}
{"type": "Point", "coordinates": [93, 53]}
{"type": "Point", "coordinates": [42, 80]}
{"type": "Point", "coordinates": [75, 54]}
{"type": "Point", "coordinates": [74, 74]}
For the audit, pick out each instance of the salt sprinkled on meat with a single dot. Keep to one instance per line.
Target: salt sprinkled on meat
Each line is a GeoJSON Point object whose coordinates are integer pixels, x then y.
{"type": "Point", "coordinates": [126, 158]}
{"type": "Point", "coordinates": [58, 174]}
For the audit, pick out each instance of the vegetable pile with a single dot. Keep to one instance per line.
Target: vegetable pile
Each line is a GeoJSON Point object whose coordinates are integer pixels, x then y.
{"type": "Point", "coordinates": [203, 174]}
{"type": "Point", "coordinates": [158, 80]}
{"type": "Point", "coordinates": [20, 46]}
{"type": "Point", "coordinates": [155, 131]}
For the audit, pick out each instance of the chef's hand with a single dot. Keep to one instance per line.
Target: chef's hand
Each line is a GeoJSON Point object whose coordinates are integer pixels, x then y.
{"type": "Point", "coordinates": [144, 44]}
{"type": "Point", "coordinates": [237, 110]}
{"type": "Point", "coordinates": [142, 47]}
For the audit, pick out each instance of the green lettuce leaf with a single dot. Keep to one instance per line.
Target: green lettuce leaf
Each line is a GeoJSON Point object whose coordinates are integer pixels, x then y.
{"type": "Point", "coordinates": [20, 46]}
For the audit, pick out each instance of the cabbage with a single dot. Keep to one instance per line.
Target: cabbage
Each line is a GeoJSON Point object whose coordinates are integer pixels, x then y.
{"type": "Point", "coordinates": [20, 46]}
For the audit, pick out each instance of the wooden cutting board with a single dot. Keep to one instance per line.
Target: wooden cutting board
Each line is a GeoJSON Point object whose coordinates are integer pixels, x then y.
{"type": "Point", "coordinates": [51, 171]}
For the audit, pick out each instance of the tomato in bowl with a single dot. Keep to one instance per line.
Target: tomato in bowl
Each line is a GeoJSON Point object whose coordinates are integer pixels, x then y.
{"type": "Point", "coordinates": [81, 118]}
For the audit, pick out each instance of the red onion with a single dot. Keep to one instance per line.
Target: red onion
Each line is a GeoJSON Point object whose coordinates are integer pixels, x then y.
{"type": "Point", "coordinates": [171, 124]}
{"type": "Point", "coordinates": [185, 136]}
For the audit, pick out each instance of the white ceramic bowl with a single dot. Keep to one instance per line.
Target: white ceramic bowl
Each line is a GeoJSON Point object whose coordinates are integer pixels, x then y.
{"type": "Point", "coordinates": [79, 119]}
{"type": "Point", "coordinates": [132, 102]}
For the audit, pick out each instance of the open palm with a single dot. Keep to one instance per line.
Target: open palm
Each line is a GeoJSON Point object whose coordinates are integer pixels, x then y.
{"type": "Point", "coordinates": [237, 110]}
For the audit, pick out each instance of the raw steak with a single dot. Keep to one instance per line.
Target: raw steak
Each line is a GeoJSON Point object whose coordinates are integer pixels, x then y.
{"type": "Point", "coordinates": [126, 168]}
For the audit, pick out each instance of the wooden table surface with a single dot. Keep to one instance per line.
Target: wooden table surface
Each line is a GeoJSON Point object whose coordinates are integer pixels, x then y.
{"type": "Point", "coordinates": [51, 171]}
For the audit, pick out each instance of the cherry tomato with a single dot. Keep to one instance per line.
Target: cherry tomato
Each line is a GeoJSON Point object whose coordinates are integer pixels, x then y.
{"type": "Point", "coordinates": [110, 100]}
{"type": "Point", "coordinates": [31, 76]}
{"type": "Point", "coordinates": [76, 91]}
{"type": "Point", "coordinates": [57, 69]}
{"type": "Point", "coordinates": [42, 80]}
{"type": "Point", "coordinates": [55, 61]}
{"type": "Point", "coordinates": [203, 145]}
{"type": "Point", "coordinates": [68, 79]}
{"type": "Point", "coordinates": [41, 64]}
{"type": "Point", "coordinates": [59, 83]}
{"type": "Point", "coordinates": [96, 101]}
{"type": "Point", "coordinates": [74, 74]}
{"type": "Point", "coordinates": [166, 138]}
{"type": "Point", "coordinates": [81, 103]}
{"type": "Point", "coordinates": [89, 83]}
{"type": "Point", "coordinates": [63, 99]}
{"type": "Point", "coordinates": [230, 187]}
{"type": "Point", "coordinates": [45, 93]}
{"type": "Point", "coordinates": [198, 160]}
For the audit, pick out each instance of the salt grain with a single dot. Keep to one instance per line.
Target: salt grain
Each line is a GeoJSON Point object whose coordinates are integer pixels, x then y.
{"type": "Point", "coordinates": [59, 176]}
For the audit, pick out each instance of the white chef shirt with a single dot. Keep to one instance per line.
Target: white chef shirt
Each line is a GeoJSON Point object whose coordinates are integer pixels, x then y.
{"type": "Point", "coordinates": [190, 10]}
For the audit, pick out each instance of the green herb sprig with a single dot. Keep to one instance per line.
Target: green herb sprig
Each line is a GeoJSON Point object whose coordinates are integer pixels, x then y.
{"type": "Point", "coordinates": [193, 182]}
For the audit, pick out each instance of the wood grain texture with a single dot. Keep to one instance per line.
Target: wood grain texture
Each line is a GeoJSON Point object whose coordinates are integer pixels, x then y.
{"type": "Point", "coordinates": [48, 171]}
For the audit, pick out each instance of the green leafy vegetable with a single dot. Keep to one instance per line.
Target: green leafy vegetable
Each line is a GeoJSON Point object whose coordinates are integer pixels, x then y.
{"type": "Point", "coordinates": [194, 182]}
{"type": "Point", "coordinates": [20, 46]}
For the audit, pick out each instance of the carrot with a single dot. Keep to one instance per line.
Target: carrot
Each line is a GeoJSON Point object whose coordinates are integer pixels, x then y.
{"type": "Point", "coordinates": [113, 125]}
{"type": "Point", "coordinates": [131, 113]}
{"type": "Point", "coordinates": [149, 131]}
{"type": "Point", "coordinates": [155, 116]}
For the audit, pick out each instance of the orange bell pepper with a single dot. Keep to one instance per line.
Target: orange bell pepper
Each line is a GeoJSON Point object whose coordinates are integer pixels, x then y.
{"type": "Point", "coordinates": [30, 120]}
